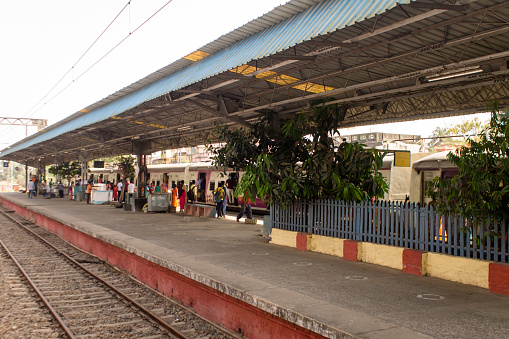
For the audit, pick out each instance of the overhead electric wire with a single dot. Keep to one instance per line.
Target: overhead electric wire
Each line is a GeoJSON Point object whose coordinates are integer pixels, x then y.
{"type": "Point", "coordinates": [79, 59]}
{"type": "Point", "coordinates": [30, 113]}
{"type": "Point", "coordinates": [111, 50]}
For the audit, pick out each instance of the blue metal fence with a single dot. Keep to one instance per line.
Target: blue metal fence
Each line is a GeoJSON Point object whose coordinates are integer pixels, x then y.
{"type": "Point", "coordinates": [396, 224]}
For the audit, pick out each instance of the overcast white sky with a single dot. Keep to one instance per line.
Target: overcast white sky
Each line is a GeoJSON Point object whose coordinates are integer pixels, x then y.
{"type": "Point", "coordinates": [41, 41]}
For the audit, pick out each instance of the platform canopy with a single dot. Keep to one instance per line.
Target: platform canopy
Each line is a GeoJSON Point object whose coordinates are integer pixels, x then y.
{"type": "Point", "coordinates": [384, 61]}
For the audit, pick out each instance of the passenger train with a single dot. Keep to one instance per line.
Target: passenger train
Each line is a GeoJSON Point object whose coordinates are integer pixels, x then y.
{"type": "Point", "coordinates": [174, 173]}
{"type": "Point", "coordinates": [405, 183]}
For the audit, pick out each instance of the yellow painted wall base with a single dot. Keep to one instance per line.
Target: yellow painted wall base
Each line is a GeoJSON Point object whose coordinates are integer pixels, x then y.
{"type": "Point", "coordinates": [463, 270]}
{"type": "Point", "coordinates": [326, 245]}
{"type": "Point", "coordinates": [382, 255]}
{"type": "Point", "coordinates": [283, 238]}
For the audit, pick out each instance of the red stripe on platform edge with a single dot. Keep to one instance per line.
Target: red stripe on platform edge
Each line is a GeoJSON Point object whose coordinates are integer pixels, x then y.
{"type": "Point", "coordinates": [350, 249]}
{"type": "Point", "coordinates": [217, 306]}
{"type": "Point", "coordinates": [302, 241]}
{"type": "Point", "coordinates": [412, 262]}
{"type": "Point", "coordinates": [499, 278]}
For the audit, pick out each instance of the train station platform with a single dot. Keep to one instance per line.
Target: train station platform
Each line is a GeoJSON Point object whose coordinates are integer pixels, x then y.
{"type": "Point", "coordinates": [229, 272]}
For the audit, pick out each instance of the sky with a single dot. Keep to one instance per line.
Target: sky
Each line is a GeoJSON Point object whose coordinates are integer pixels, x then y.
{"type": "Point", "coordinates": [42, 41]}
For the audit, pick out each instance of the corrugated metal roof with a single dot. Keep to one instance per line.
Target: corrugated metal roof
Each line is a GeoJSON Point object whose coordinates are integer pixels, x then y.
{"type": "Point", "coordinates": [294, 22]}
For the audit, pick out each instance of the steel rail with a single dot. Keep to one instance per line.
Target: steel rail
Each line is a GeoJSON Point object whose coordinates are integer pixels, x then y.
{"type": "Point", "coordinates": [38, 291]}
{"type": "Point", "coordinates": [151, 315]}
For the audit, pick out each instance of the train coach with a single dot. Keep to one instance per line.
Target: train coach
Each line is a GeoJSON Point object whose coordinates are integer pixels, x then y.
{"type": "Point", "coordinates": [405, 183]}
{"type": "Point", "coordinates": [425, 170]}
{"type": "Point", "coordinates": [174, 173]}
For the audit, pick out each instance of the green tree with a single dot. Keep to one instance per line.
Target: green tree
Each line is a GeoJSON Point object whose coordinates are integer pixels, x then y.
{"type": "Point", "coordinates": [466, 128]}
{"type": "Point", "coordinates": [480, 191]}
{"type": "Point", "coordinates": [438, 136]}
{"type": "Point", "coordinates": [126, 165]}
{"type": "Point", "coordinates": [66, 169]}
{"type": "Point", "coordinates": [469, 128]}
{"type": "Point", "coordinates": [297, 159]}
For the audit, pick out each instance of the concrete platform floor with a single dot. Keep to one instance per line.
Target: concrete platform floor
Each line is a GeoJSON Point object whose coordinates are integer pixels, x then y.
{"type": "Point", "coordinates": [361, 299]}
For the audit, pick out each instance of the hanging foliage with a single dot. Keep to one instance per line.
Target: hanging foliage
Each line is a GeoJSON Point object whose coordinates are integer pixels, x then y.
{"type": "Point", "coordinates": [480, 191]}
{"type": "Point", "coordinates": [297, 159]}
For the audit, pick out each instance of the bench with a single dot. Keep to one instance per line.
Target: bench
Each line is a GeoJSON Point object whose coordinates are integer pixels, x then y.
{"type": "Point", "coordinates": [199, 210]}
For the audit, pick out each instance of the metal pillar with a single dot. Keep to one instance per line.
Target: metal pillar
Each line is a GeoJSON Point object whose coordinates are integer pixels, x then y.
{"type": "Point", "coordinates": [142, 175]}
{"type": "Point", "coordinates": [84, 172]}
{"type": "Point", "coordinates": [26, 176]}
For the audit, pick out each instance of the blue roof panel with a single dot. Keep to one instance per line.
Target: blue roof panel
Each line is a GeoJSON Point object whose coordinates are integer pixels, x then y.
{"type": "Point", "coordinates": [319, 19]}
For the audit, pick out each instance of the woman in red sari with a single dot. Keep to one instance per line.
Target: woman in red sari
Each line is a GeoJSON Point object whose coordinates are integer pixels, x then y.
{"type": "Point", "coordinates": [183, 197]}
{"type": "Point", "coordinates": [115, 192]}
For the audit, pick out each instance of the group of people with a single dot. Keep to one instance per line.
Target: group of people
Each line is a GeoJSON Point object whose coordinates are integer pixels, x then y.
{"type": "Point", "coordinates": [180, 194]}
{"type": "Point", "coordinates": [36, 186]}
{"type": "Point", "coordinates": [223, 194]}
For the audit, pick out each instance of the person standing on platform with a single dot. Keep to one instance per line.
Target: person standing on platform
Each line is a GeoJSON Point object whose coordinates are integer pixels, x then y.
{"type": "Point", "coordinates": [119, 190]}
{"type": "Point", "coordinates": [219, 196]}
{"type": "Point", "coordinates": [60, 189]}
{"type": "Point", "coordinates": [131, 188]}
{"type": "Point", "coordinates": [183, 197]}
{"type": "Point", "coordinates": [245, 205]}
{"type": "Point", "coordinates": [198, 186]}
{"type": "Point", "coordinates": [147, 190]}
{"type": "Point", "coordinates": [230, 186]}
{"type": "Point", "coordinates": [158, 188]}
{"type": "Point", "coordinates": [115, 192]}
{"type": "Point", "coordinates": [225, 199]}
{"type": "Point", "coordinates": [174, 196]}
{"type": "Point", "coordinates": [192, 193]}
{"type": "Point", "coordinates": [44, 189]}
{"type": "Point", "coordinates": [88, 193]}
{"type": "Point", "coordinates": [179, 187]}
{"type": "Point", "coordinates": [31, 189]}
{"type": "Point", "coordinates": [71, 185]}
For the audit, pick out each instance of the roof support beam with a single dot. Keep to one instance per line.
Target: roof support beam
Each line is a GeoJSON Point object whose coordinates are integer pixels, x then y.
{"type": "Point", "coordinates": [219, 113]}
{"type": "Point", "coordinates": [447, 7]}
{"type": "Point", "coordinates": [294, 57]}
{"type": "Point", "coordinates": [395, 79]}
{"type": "Point", "coordinates": [333, 44]}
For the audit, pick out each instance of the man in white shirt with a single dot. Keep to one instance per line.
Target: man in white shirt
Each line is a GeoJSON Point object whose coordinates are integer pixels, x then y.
{"type": "Point", "coordinates": [131, 187]}
{"type": "Point", "coordinates": [31, 189]}
{"type": "Point", "coordinates": [119, 191]}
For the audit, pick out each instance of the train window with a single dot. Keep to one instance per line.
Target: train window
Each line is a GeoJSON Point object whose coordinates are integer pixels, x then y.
{"type": "Point", "coordinates": [212, 185]}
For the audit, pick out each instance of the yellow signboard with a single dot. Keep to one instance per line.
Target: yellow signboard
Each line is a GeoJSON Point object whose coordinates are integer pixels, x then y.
{"type": "Point", "coordinates": [402, 158]}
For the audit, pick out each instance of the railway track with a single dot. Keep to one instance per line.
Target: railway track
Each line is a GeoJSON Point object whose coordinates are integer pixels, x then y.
{"type": "Point", "coordinates": [86, 297]}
